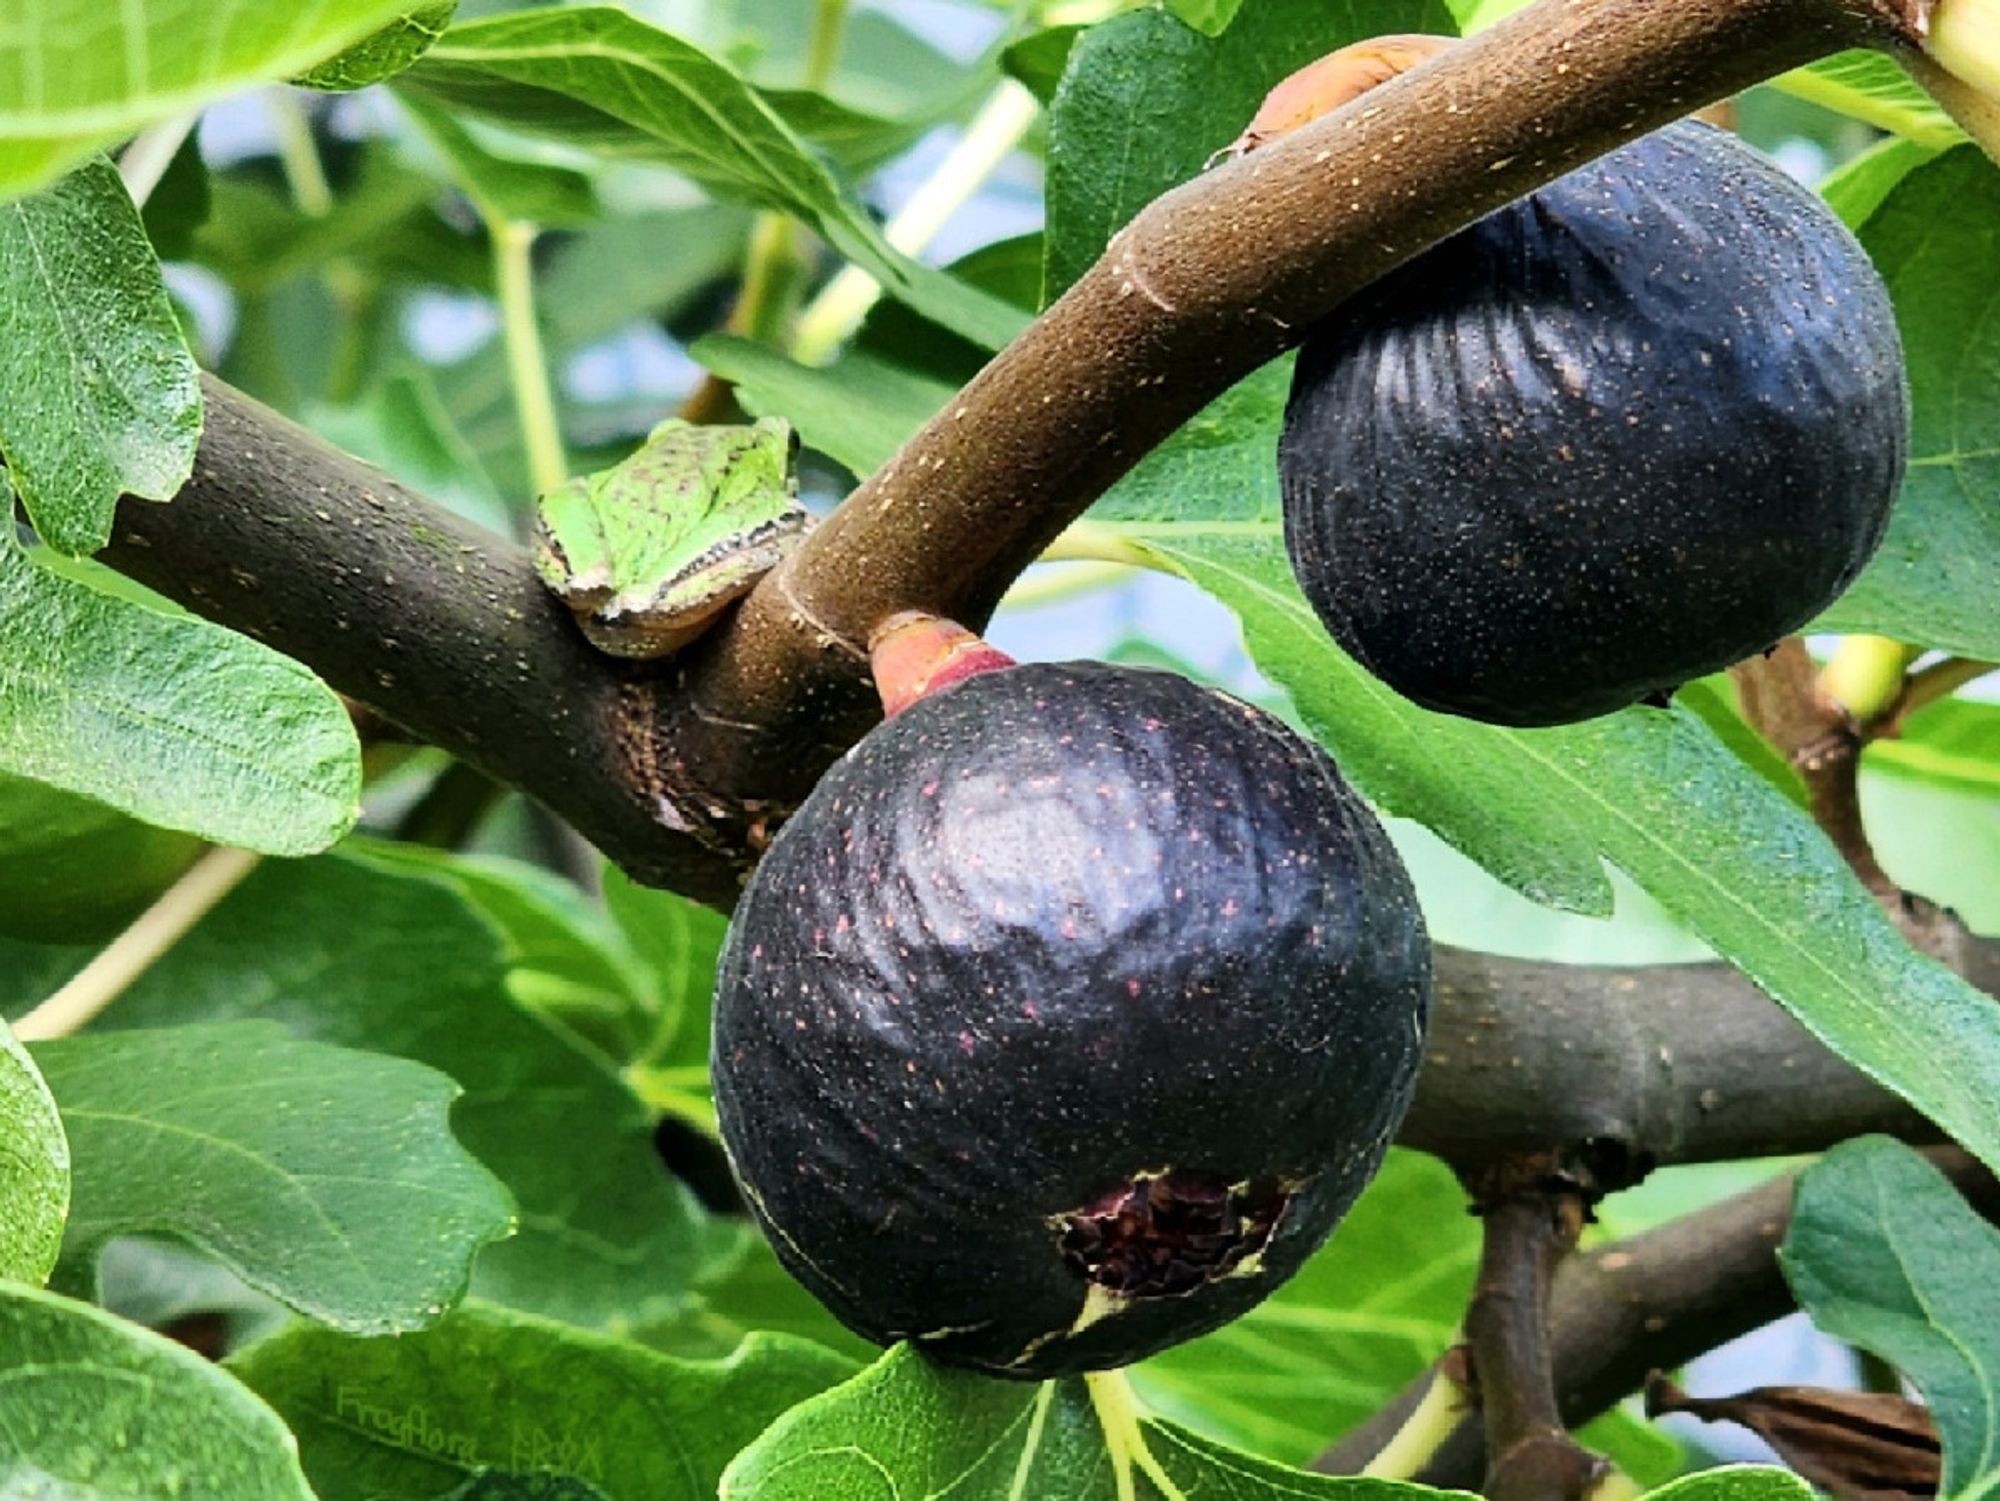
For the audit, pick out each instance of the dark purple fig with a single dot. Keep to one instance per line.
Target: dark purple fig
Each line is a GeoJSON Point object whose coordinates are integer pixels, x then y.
{"type": "Point", "coordinates": [1066, 1018]}
{"type": "Point", "coordinates": [1626, 431]}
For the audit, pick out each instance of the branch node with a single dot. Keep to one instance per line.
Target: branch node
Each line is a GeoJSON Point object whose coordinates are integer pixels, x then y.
{"type": "Point", "coordinates": [1534, 1206]}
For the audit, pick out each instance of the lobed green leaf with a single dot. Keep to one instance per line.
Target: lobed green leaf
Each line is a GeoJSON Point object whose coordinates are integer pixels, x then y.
{"type": "Point", "coordinates": [490, 1397]}
{"type": "Point", "coordinates": [96, 1409]}
{"type": "Point", "coordinates": [75, 871]}
{"type": "Point", "coordinates": [98, 394]}
{"type": "Point", "coordinates": [1936, 581]}
{"type": "Point", "coordinates": [909, 1427]}
{"type": "Point", "coordinates": [34, 1168]}
{"type": "Point", "coordinates": [566, 960]}
{"type": "Point", "coordinates": [1144, 100]}
{"type": "Point", "coordinates": [1736, 1483]}
{"type": "Point", "coordinates": [76, 75]}
{"type": "Point", "coordinates": [178, 722]}
{"type": "Point", "coordinates": [353, 951]}
{"type": "Point", "coordinates": [325, 1177]}
{"type": "Point", "coordinates": [385, 53]}
{"type": "Point", "coordinates": [1884, 1253]}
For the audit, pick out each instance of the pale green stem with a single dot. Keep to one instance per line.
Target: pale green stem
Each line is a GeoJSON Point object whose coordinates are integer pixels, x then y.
{"type": "Point", "coordinates": [1051, 586]}
{"type": "Point", "coordinates": [994, 132]}
{"type": "Point", "coordinates": [1616, 1485]}
{"type": "Point", "coordinates": [299, 157]}
{"type": "Point", "coordinates": [353, 293]}
{"type": "Point", "coordinates": [1429, 1424]}
{"type": "Point", "coordinates": [773, 265]}
{"type": "Point", "coordinates": [139, 947]}
{"type": "Point", "coordinates": [144, 162]}
{"type": "Point", "coordinates": [1102, 542]}
{"type": "Point", "coordinates": [1940, 680]}
{"type": "Point", "coordinates": [527, 367]}
{"type": "Point", "coordinates": [1976, 111]}
{"type": "Point", "coordinates": [1865, 675]}
{"type": "Point", "coordinates": [770, 277]}
{"type": "Point", "coordinates": [824, 48]}
{"type": "Point", "coordinates": [1124, 1437]}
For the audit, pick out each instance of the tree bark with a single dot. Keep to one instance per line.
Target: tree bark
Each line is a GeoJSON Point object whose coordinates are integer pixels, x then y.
{"type": "Point", "coordinates": [1653, 1302]}
{"type": "Point", "coordinates": [435, 623]}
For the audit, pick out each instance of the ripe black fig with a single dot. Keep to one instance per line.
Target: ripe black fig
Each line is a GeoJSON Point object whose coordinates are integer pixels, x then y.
{"type": "Point", "coordinates": [1628, 430]}
{"type": "Point", "coordinates": [1066, 1018]}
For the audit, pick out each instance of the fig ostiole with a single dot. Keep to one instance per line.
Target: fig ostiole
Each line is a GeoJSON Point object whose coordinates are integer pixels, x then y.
{"type": "Point", "coordinates": [1626, 431]}
{"type": "Point", "coordinates": [1066, 1017]}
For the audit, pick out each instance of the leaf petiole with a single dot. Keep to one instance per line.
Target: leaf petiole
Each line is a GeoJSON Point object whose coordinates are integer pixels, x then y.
{"type": "Point", "coordinates": [139, 947]}
{"type": "Point", "coordinates": [1435, 1417]}
{"type": "Point", "coordinates": [527, 368]}
{"type": "Point", "coordinates": [1125, 1438]}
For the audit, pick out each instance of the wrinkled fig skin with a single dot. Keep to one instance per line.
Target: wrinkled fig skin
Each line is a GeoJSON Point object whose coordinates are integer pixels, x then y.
{"type": "Point", "coordinates": [1624, 432]}
{"type": "Point", "coordinates": [1039, 939]}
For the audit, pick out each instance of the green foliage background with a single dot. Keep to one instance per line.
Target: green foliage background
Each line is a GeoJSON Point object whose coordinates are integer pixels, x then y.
{"type": "Point", "coordinates": [390, 1086]}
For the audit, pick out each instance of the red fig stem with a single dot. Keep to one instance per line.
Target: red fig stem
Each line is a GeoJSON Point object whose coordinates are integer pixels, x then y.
{"type": "Point", "coordinates": [913, 655]}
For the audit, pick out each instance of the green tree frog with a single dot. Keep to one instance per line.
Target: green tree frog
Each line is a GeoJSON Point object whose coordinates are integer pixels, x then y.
{"type": "Point", "coordinates": [648, 551]}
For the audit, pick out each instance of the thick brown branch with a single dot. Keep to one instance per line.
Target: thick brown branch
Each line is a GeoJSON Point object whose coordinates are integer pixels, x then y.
{"type": "Point", "coordinates": [432, 621]}
{"type": "Point", "coordinates": [1207, 283]}
{"type": "Point", "coordinates": [1653, 1302]}
{"type": "Point", "coordinates": [446, 627]}
{"type": "Point", "coordinates": [1650, 1065]}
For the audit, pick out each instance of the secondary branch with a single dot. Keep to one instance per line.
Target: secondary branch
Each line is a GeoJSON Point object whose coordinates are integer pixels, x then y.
{"type": "Point", "coordinates": [1646, 1065]}
{"type": "Point", "coordinates": [1653, 1302]}
{"type": "Point", "coordinates": [1533, 1209]}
